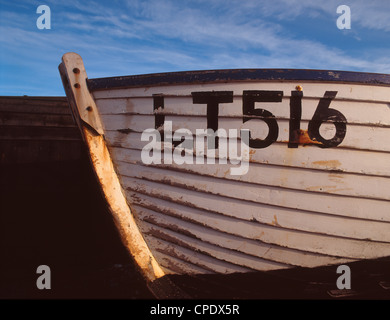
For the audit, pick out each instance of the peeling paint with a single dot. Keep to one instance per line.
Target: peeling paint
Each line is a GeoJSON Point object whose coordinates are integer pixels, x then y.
{"type": "Point", "coordinates": [334, 74]}
{"type": "Point", "coordinates": [328, 163]}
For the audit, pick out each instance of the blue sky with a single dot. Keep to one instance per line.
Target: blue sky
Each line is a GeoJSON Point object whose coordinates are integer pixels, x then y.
{"type": "Point", "coordinates": [122, 37]}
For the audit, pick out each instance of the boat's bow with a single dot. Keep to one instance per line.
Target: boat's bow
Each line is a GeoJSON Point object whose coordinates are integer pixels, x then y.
{"type": "Point", "coordinates": [74, 78]}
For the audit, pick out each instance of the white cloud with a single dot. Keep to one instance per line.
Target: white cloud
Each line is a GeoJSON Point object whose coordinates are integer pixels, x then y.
{"type": "Point", "coordinates": [156, 36]}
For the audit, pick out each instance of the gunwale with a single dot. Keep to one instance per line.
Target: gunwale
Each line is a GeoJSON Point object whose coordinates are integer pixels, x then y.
{"type": "Point", "coordinates": [240, 75]}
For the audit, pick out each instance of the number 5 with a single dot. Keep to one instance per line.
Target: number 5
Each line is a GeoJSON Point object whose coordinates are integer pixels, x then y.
{"type": "Point", "coordinates": [249, 97]}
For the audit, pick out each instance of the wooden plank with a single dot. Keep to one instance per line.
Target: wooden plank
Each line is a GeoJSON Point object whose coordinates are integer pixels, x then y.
{"type": "Point", "coordinates": [74, 78]}
{"type": "Point", "coordinates": [32, 119]}
{"type": "Point", "coordinates": [194, 223]}
{"type": "Point", "coordinates": [357, 136]}
{"type": "Point", "coordinates": [334, 159]}
{"type": "Point", "coordinates": [312, 202]}
{"type": "Point", "coordinates": [299, 179]}
{"type": "Point", "coordinates": [238, 75]}
{"type": "Point", "coordinates": [304, 241]}
{"type": "Point", "coordinates": [218, 259]}
{"type": "Point", "coordinates": [350, 92]}
{"type": "Point", "coordinates": [33, 98]}
{"type": "Point", "coordinates": [190, 258]}
{"type": "Point", "coordinates": [356, 112]}
{"type": "Point", "coordinates": [59, 108]}
{"type": "Point", "coordinates": [160, 225]}
{"type": "Point", "coordinates": [53, 102]}
{"type": "Point", "coordinates": [33, 151]}
{"type": "Point", "coordinates": [38, 133]}
{"type": "Point", "coordinates": [231, 203]}
{"type": "Point", "coordinates": [173, 265]}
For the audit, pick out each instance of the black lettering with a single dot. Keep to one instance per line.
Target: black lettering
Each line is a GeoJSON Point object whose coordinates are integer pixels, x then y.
{"type": "Point", "coordinates": [159, 118]}
{"type": "Point", "coordinates": [295, 118]}
{"type": "Point", "coordinates": [212, 99]}
{"type": "Point", "coordinates": [325, 114]}
{"type": "Point", "coordinates": [249, 97]}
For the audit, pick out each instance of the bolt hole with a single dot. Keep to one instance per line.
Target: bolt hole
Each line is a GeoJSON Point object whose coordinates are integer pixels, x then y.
{"type": "Point", "coordinates": [77, 85]}
{"type": "Point", "coordinates": [76, 70]}
{"type": "Point", "coordinates": [89, 108]}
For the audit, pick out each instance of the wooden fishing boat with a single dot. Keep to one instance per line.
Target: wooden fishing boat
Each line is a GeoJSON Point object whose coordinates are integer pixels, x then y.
{"type": "Point", "coordinates": [298, 177]}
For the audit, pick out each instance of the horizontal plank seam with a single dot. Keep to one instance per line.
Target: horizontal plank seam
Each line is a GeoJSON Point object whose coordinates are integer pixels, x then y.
{"type": "Point", "coordinates": [275, 246]}
{"type": "Point", "coordinates": [255, 222]}
{"type": "Point", "coordinates": [175, 169]}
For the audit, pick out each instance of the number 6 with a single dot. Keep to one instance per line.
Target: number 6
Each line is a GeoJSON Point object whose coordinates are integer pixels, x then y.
{"type": "Point", "coordinates": [325, 114]}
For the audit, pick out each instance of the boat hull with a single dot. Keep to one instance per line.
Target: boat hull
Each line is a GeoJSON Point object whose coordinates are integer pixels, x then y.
{"type": "Point", "coordinates": [298, 177]}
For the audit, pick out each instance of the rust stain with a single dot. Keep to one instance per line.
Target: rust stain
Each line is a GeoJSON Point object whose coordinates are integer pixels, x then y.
{"type": "Point", "coordinates": [328, 163]}
{"type": "Point", "coordinates": [336, 177]}
{"type": "Point", "coordinates": [251, 153]}
{"type": "Point", "coordinates": [327, 189]}
{"type": "Point", "coordinates": [275, 221]}
{"type": "Point", "coordinates": [302, 137]}
{"type": "Point", "coordinates": [129, 105]}
{"type": "Point", "coordinates": [260, 235]}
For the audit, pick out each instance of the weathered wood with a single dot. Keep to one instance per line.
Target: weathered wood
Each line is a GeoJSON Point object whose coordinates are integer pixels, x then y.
{"type": "Point", "coordinates": [38, 133]}
{"type": "Point", "coordinates": [37, 129]}
{"type": "Point", "coordinates": [358, 137]}
{"type": "Point", "coordinates": [208, 227]}
{"type": "Point", "coordinates": [272, 234]}
{"type": "Point", "coordinates": [238, 75]}
{"type": "Point", "coordinates": [39, 102]}
{"type": "Point", "coordinates": [70, 69]}
{"type": "Point", "coordinates": [309, 198]}
{"type": "Point", "coordinates": [74, 78]}
{"type": "Point", "coordinates": [356, 112]}
{"type": "Point", "coordinates": [277, 197]}
{"type": "Point", "coordinates": [36, 119]}
{"type": "Point", "coordinates": [341, 160]}
{"type": "Point", "coordinates": [273, 215]}
{"type": "Point", "coordinates": [35, 106]}
{"type": "Point", "coordinates": [199, 253]}
{"type": "Point", "coordinates": [298, 179]}
{"type": "Point", "coordinates": [35, 151]}
{"type": "Point", "coordinates": [345, 91]}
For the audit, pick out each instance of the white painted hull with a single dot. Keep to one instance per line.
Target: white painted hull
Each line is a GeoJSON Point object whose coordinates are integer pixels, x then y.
{"type": "Point", "coordinates": [303, 206]}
